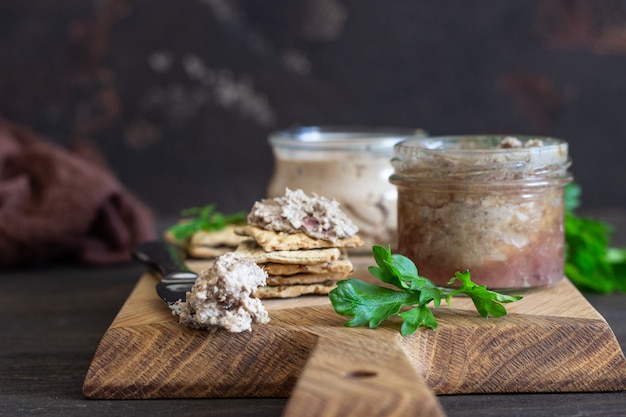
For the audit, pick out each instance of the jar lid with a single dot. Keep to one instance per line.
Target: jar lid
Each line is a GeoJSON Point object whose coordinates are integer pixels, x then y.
{"type": "Point", "coordinates": [342, 138]}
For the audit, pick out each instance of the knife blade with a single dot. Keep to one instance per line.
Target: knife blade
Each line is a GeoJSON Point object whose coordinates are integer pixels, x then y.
{"type": "Point", "coordinates": [164, 259]}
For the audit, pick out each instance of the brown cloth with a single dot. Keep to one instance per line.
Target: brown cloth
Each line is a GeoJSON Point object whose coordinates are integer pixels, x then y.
{"type": "Point", "coordinates": [57, 203]}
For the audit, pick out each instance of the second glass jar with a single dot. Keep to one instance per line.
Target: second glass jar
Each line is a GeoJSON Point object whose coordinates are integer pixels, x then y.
{"type": "Point", "coordinates": [492, 205]}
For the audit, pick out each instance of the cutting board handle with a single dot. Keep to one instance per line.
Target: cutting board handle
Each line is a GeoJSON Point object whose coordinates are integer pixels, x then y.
{"type": "Point", "coordinates": [364, 377]}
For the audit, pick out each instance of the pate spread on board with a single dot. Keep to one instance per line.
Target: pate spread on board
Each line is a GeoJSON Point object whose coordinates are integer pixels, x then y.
{"type": "Point", "coordinates": [224, 296]}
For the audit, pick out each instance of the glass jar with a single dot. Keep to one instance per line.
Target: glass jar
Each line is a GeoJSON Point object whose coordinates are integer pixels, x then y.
{"type": "Point", "coordinates": [349, 164]}
{"type": "Point", "coordinates": [492, 205]}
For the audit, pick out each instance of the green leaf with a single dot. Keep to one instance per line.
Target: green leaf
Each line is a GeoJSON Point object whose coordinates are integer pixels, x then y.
{"type": "Point", "coordinates": [384, 271]}
{"type": "Point", "coordinates": [203, 218]}
{"type": "Point", "coordinates": [616, 257]}
{"type": "Point", "coordinates": [369, 304]}
{"type": "Point", "coordinates": [430, 293]}
{"type": "Point", "coordinates": [590, 262]}
{"type": "Point", "coordinates": [588, 281]}
{"type": "Point", "coordinates": [182, 230]}
{"type": "Point", "coordinates": [416, 317]}
{"type": "Point", "coordinates": [404, 268]}
{"type": "Point", "coordinates": [486, 302]}
{"type": "Point", "coordinates": [572, 196]}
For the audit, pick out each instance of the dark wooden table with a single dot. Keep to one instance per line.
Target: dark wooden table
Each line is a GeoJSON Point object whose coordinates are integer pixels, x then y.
{"type": "Point", "coordinates": [53, 316]}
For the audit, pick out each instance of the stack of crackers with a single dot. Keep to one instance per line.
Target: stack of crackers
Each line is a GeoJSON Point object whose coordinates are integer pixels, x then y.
{"type": "Point", "coordinates": [296, 264]}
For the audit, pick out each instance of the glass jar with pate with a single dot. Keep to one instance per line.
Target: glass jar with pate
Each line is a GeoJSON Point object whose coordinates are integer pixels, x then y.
{"type": "Point", "coordinates": [349, 164]}
{"type": "Point", "coordinates": [492, 205]}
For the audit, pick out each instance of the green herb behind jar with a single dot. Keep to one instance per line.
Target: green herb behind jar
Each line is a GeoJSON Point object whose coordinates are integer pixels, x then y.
{"type": "Point", "coordinates": [591, 263]}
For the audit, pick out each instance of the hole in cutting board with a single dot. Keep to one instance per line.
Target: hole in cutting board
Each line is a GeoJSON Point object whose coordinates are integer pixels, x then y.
{"type": "Point", "coordinates": [361, 374]}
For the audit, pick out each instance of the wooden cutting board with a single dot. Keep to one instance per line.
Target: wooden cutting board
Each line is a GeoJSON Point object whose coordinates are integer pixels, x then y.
{"type": "Point", "coordinates": [551, 341]}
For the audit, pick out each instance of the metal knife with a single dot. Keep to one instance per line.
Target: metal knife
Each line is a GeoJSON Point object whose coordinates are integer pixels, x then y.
{"type": "Point", "coordinates": [163, 258]}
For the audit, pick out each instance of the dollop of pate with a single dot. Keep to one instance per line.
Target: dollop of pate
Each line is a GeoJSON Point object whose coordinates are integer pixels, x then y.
{"type": "Point", "coordinates": [316, 216]}
{"type": "Point", "coordinates": [223, 296]}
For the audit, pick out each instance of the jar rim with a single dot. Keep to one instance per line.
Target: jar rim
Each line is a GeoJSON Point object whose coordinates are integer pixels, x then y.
{"type": "Point", "coordinates": [470, 144]}
{"type": "Point", "coordinates": [337, 138]}
{"type": "Point", "coordinates": [480, 152]}
{"type": "Point", "coordinates": [478, 158]}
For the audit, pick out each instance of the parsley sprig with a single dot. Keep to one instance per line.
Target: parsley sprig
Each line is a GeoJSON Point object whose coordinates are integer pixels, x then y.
{"type": "Point", "coordinates": [203, 218]}
{"type": "Point", "coordinates": [371, 304]}
{"type": "Point", "coordinates": [591, 263]}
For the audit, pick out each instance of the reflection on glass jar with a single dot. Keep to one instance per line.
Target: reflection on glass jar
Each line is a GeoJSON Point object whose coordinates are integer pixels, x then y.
{"type": "Point", "coordinates": [351, 165]}
{"type": "Point", "coordinates": [490, 204]}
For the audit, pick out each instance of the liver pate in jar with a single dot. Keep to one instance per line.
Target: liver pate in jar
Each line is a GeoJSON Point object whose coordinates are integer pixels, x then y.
{"type": "Point", "coordinates": [492, 205]}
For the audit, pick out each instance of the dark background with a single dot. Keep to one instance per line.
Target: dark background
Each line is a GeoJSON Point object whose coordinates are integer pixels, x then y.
{"type": "Point", "coordinates": [179, 96]}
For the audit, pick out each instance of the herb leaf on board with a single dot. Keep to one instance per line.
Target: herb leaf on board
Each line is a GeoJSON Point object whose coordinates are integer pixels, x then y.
{"type": "Point", "coordinates": [370, 305]}
{"type": "Point", "coordinates": [203, 218]}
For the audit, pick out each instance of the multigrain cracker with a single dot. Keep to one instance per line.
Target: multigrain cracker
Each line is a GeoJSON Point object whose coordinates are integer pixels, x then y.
{"type": "Point", "coordinates": [275, 280]}
{"type": "Point", "coordinates": [271, 241]}
{"type": "Point", "coordinates": [291, 291]}
{"type": "Point", "coordinates": [341, 265]}
{"type": "Point", "coordinates": [250, 249]}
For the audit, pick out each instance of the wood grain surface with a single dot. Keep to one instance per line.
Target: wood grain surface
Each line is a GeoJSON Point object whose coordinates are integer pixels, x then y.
{"type": "Point", "coordinates": [552, 341]}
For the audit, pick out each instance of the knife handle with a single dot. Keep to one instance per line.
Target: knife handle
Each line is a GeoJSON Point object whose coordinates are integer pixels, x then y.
{"type": "Point", "coordinates": [164, 259]}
